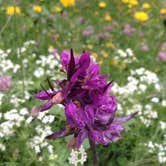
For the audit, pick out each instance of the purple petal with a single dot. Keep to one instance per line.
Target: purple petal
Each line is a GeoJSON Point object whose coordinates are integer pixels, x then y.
{"type": "Point", "coordinates": [124, 119]}
{"type": "Point", "coordinates": [80, 138]}
{"type": "Point", "coordinates": [96, 136]}
{"type": "Point", "coordinates": [46, 106]}
{"type": "Point", "coordinates": [89, 112]}
{"type": "Point", "coordinates": [94, 69]}
{"type": "Point", "coordinates": [42, 95]}
{"type": "Point", "coordinates": [84, 61]}
{"type": "Point", "coordinates": [65, 58]}
{"type": "Point", "coordinates": [56, 135]}
{"type": "Point", "coordinates": [74, 115]}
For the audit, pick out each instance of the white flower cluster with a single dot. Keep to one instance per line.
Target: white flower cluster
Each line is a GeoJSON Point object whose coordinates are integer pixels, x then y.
{"type": "Point", "coordinates": [24, 48]}
{"type": "Point", "coordinates": [46, 64]}
{"type": "Point", "coordinates": [6, 64]}
{"type": "Point", "coordinates": [138, 81]}
{"type": "Point", "coordinates": [78, 156]}
{"type": "Point", "coordinates": [12, 118]}
{"type": "Point", "coordinates": [126, 56]}
{"type": "Point", "coordinates": [160, 148]}
{"type": "Point", "coordinates": [39, 142]}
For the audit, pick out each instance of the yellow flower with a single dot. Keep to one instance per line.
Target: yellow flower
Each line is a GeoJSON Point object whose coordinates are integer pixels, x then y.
{"type": "Point", "coordinates": [133, 2]}
{"type": "Point", "coordinates": [107, 18]}
{"type": "Point", "coordinates": [145, 6]}
{"type": "Point", "coordinates": [100, 62]}
{"type": "Point", "coordinates": [11, 10]}
{"type": "Point", "coordinates": [102, 4]}
{"type": "Point", "coordinates": [125, 1]}
{"type": "Point", "coordinates": [109, 44]}
{"type": "Point", "coordinates": [104, 54]}
{"type": "Point", "coordinates": [114, 62]}
{"type": "Point", "coordinates": [94, 55]}
{"type": "Point", "coordinates": [90, 46]}
{"type": "Point", "coordinates": [67, 3]}
{"type": "Point", "coordinates": [37, 8]}
{"type": "Point", "coordinates": [163, 11]}
{"type": "Point", "coordinates": [141, 16]}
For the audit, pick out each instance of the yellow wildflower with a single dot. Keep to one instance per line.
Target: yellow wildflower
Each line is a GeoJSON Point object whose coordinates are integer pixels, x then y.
{"type": "Point", "coordinates": [114, 62]}
{"type": "Point", "coordinates": [11, 10]}
{"type": "Point", "coordinates": [67, 3]}
{"type": "Point", "coordinates": [102, 4]}
{"type": "Point", "coordinates": [133, 2]}
{"type": "Point", "coordinates": [100, 62]}
{"type": "Point", "coordinates": [145, 6]}
{"type": "Point", "coordinates": [163, 11]}
{"type": "Point", "coordinates": [125, 1]}
{"type": "Point", "coordinates": [141, 16]}
{"type": "Point", "coordinates": [94, 54]}
{"type": "Point", "coordinates": [104, 54]}
{"type": "Point", "coordinates": [109, 44]}
{"type": "Point", "coordinates": [37, 8]}
{"type": "Point", "coordinates": [90, 46]}
{"type": "Point", "coordinates": [107, 18]}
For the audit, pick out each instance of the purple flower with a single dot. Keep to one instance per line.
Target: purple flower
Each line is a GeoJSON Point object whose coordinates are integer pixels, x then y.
{"type": "Point", "coordinates": [89, 31]}
{"type": "Point", "coordinates": [103, 35]}
{"type": "Point", "coordinates": [89, 108]}
{"type": "Point", "coordinates": [128, 30]}
{"type": "Point", "coordinates": [162, 55]}
{"type": "Point", "coordinates": [5, 83]}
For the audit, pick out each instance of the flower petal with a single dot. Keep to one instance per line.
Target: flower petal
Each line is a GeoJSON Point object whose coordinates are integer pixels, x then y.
{"type": "Point", "coordinates": [46, 106]}
{"type": "Point", "coordinates": [80, 138]}
{"type": "Point", "coordinates": [56, 135]}
{"type": "Point", "coordinates": [43, 95]}
{"type": "Point", "coordinates": [124, 119]}
{"type": "Point", "coordinates": [84, 61]}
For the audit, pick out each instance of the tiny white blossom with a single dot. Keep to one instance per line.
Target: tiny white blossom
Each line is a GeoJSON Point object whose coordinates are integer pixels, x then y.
{"type": "Point", "coordinates": [78, 156]}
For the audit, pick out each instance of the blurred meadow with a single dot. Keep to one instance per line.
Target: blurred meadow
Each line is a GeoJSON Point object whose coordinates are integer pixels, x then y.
{"type": "Point", "coordinates": [126, 37]}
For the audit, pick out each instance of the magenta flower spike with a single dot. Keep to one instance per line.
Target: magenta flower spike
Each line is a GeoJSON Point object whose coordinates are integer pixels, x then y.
{"type": "Point", "coordinates": [88, 106]}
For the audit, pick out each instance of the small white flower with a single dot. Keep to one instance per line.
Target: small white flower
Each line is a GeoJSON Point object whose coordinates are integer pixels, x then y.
{"type": "Point", "coordinates": [78, 156]}
{"type": "Point", "coordinates": [155, 100]}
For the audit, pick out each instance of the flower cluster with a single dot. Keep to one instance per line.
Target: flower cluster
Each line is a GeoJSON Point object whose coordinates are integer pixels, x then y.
{"type": "Point", "coordinates": [89, 107]}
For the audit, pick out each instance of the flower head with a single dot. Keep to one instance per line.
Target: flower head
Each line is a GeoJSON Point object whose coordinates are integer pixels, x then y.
{"type": "Point", "coordinates": [67, 3]}
{"type": "Point", "coordinates": [102, 4]}
{"type": "Point", "coordinates": [141, 16]}
{"type": "Point", "coordinates": [107, 18]}
{"type": "Point", "coordinates": [11, 10]}
{"type": "Point", "coordinates": [37, 8]}
{"type": "Point", "coordinates": [89, 108]}
{"type": "Point", "coordinates": [5, 83]}
{"type": "Point", "coordinates": [146, 5]}
{"type": "Point", "coordinates": [163, 11]}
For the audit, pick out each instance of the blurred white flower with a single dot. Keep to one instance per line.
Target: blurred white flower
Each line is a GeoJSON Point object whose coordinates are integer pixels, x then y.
{"type": "Point", "coordinates": [77, 156]}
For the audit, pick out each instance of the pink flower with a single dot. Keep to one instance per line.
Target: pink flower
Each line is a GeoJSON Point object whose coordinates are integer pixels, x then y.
{"type": "Point", "coordinates": [5, 83]}
{"type": "Point", "coordinates": [128, 30]}
{"type": "Point", "coordinates": [162, 56]}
